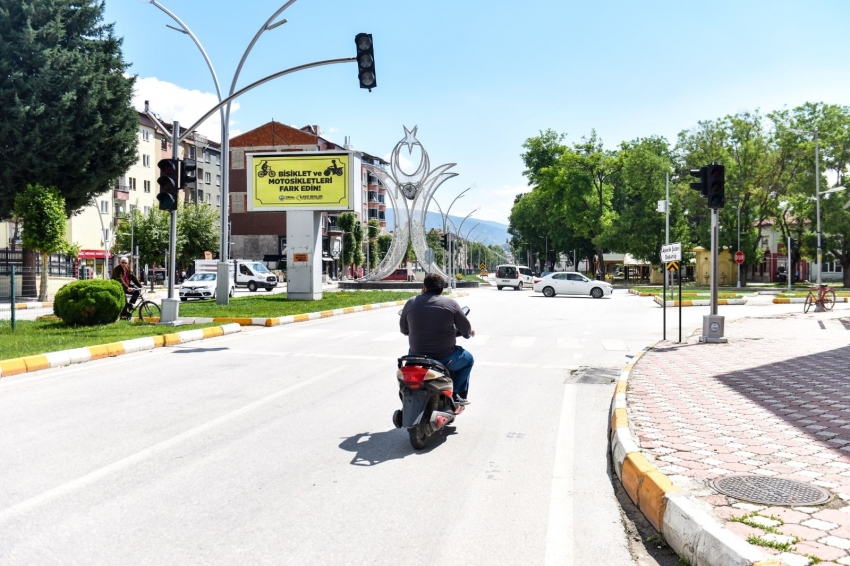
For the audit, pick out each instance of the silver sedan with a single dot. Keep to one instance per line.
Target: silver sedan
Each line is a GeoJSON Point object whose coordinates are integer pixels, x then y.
{"type": "Point", "coordinates": [571, 283]}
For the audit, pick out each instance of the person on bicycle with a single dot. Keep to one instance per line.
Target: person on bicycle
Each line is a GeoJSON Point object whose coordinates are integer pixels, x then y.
{"type": "Point", "coordinates": [129, 282]}
{"type": "Point", "coordinates": [432, 323]}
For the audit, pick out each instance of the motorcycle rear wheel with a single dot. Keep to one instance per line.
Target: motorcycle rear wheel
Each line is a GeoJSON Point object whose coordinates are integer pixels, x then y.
{"type": "Point", "coordinates": [418, 435]}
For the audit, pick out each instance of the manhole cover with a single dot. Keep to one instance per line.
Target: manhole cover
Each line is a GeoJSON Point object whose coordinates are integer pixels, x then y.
{"type": "Point", "coordinates": [770, 491]}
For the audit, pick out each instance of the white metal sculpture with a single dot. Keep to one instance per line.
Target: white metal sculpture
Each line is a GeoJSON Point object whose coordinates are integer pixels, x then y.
{"type": "Point", "coordinates": [414, 191]}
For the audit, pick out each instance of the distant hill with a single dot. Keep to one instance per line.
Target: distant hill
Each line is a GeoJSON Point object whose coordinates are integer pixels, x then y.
{"type": "Point", "coordinates": [497, 233]}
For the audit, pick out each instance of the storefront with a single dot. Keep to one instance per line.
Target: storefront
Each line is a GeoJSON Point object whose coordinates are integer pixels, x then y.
{"type": "Point", "coordinates": [93, 264]}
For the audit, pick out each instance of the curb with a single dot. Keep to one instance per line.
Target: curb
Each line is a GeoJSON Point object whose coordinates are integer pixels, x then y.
{"type": "Point", "coordinates": [292, 318]}
{"type": "Point", "coordinates": [701, 302]}
{"type": "Point", "coordinates": [62, 358]}
{"type": "Point", "coordinates": [639, 294]}
{"type": "Point", "coordinates": [801, 300]}
{"type": "Point", "coordinates": [25, 306]}
{"type": "Point", "coordinates": [687, 528]}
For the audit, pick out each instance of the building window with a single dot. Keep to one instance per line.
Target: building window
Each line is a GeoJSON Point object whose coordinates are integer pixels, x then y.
{"type": "Point", "coordinates": [206, 157]}
{"type": "Point", "coordinates": [208, 198]}
{"type": "Point", "coordinates": [365, 176]}
{"type": "Point", "coordinates": [147, 186]}
{"type": "Point", "coordinates": [132, 183]}
{"type": "Point", "coordinates": [147, 210]}
{"type": "Point", "coordinates": [381, 198]}
{"type": "Point", "coordinates": [146, 160]}
{"type": "Point", "coordinates": [207, 178]}
{"type": "Point", "coordinates": [164, 143]}
{"type": "Point", "coordinates": [218, 200]}
{"type": "Point", "coordinates": [218, 180]}
{"type": "Point", "coordinates": [105, 235]}
{"type": "Point", "coordinates": [200, 196]}
{"type": "Point", "coordinates": [218, 160]}
{"type": "Point", "coordinates": [373, 196]}
{"type": "Point", "coordinates": [104, 207]}
{"type": "Point", "coordinates": [831, 267]}
{"type": "Point", "coordinates": [192, 152]}
{"type": "Point", "coordinates": [132, 208]}
{"type": "Point", "coordinates": [382, 215]}
{"type": "Point", "coordinates": [146, 135]}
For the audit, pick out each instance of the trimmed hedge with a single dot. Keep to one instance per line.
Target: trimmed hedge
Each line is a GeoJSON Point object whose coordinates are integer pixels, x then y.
{"type": "Point", "coordinates": [89, 302]}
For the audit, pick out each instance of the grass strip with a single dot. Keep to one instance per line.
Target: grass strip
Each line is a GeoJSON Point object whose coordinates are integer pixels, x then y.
{"type": "Point", "coordinates": [268, 306]}
{"type": "Point", "coordinates": [32, 337]}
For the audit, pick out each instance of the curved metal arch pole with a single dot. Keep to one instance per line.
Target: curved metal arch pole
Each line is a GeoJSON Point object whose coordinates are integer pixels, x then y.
{"type": "Point", "coordinates": [264, 80]}
{"type": "Point", "coordinates": [225, 138]}
{"type": "Point", "coordinates": [393, 256]}
{"type": "Point", "coordinates": [420, 245]}
{"type": "Point", "coordinates": [451, 256]}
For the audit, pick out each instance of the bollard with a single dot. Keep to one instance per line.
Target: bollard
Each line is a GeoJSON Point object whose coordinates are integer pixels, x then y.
{"type": "Point", "coordinates": [13, 298]}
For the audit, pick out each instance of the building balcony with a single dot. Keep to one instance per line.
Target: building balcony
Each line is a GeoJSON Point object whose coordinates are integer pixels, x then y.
{"type": "Point", "coordinates": [333, 229]}
{"type": "Point", "coordinates": [121, 192]}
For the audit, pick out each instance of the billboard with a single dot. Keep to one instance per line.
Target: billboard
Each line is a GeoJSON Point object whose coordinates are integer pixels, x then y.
{"type": "Point", "coordinates": [303, 181]}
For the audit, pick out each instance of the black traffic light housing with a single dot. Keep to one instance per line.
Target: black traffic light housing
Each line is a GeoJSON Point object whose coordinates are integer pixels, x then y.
{"type": "Point", "coordinates": [169, 183]}
{"type": "Point", "coordinates": [365, 60]}
{"type": "Point", "coordinates": [188, 176]}
{"type": "Point", "coordinates": [445, 241]}
{"type": "Point", "coordinates": [702, 186]}
{"type": "Point", "coordinates": [716, 185]}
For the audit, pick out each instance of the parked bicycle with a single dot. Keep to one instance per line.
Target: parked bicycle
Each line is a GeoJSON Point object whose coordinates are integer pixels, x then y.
{"type": "Point", "coordinates": [148, 311]}
{"type": "Point", "coordinates": [820, 295]}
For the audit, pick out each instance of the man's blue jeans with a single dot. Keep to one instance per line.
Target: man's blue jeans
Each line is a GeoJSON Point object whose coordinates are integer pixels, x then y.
{"type": "Point", "coordinates": [460, 363]}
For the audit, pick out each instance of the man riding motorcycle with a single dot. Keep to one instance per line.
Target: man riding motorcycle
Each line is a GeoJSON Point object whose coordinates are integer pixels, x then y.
{"type": "Point", "coordinates": [432, 323]}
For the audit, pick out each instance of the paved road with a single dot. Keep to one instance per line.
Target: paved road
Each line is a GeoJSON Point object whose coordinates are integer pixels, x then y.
{"type": "Point", "coordinates": [275, 446]}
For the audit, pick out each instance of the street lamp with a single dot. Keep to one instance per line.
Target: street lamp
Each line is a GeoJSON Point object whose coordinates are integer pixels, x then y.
{"type": "Point", "coordinates": [446, 215]}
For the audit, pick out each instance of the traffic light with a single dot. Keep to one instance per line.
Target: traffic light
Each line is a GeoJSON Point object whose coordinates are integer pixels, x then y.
{"type": "Point", "coordinates": [365, 60]}
{"type": "Point", "coordinates": [188, 178]}
{"type": "Point", "coordinates": [702, 186]}
{"type": "Point", "coordinates": [169, 178]}
{"type": "Point", "coordinates": [793, 245]}
{"type": "Point", "coordinates": [716, 185]}
{"type": "Point", "coordinates": [445, 241]}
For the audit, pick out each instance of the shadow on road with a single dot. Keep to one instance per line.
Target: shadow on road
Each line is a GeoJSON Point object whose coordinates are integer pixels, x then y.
{"type": "Point", "coordinates": [373, 448]}
{"type": "Point", "coordinates": [197, 350]}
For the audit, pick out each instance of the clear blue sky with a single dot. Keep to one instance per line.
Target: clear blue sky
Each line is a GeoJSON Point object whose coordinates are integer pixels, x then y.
{"type": "Point", "coordinates": [478, 78]}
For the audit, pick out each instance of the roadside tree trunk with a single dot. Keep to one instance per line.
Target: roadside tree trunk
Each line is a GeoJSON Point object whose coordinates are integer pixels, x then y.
{"type": "Point", "coordinates": [45, 275]}
{"type": "Point", "coordinates": [28, 284]}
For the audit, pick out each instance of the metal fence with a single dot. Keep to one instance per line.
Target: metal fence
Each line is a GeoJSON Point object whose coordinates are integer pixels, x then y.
{"type": "Point", "coordinates": [27, 288]}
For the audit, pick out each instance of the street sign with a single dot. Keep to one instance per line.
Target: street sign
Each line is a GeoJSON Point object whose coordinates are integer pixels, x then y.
{"type": "Point", "coordinates": [739, 257]}
{"type": "Point", "coordinates": [673, 266]}
{"type": "Point", "coordinates": [482, 266]}
{"type": "Point", "coordinates": [671, 252]}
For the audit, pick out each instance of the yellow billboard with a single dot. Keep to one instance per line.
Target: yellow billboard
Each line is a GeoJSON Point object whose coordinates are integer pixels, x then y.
{"type": "Point", "coordinates": [315, 181]}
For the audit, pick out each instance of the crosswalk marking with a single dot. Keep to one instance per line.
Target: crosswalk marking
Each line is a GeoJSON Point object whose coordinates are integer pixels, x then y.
{"type": "Point", "coordinates": [569, 343]}
{"type": "Point", "coordinates": [614, 344]}
{"type": "Point", "coordinates": [523, 342]}
{"type": "Point", "coordinates": [349, 334]}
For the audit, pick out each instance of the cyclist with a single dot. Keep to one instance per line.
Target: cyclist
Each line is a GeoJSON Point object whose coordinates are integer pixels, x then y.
{"type": "Point", "coordinates": [129, 282]}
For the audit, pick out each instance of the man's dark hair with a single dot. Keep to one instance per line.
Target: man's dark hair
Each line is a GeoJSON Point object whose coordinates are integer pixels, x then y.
{"type": "Point", "coordinates": [434, 283]}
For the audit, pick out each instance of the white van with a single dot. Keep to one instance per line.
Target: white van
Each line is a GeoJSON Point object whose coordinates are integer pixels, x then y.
{"type": "Point", "coordinates": [243, 273]}
{"type": "Point", "coordinates": [516, 276]}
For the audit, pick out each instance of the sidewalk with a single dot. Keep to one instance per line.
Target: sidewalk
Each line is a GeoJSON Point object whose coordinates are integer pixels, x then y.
{"type": "Point", "coordinates": [774, 401]}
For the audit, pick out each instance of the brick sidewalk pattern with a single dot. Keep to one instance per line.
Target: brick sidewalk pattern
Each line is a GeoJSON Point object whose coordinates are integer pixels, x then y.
{"type": "Point", "coordinates": [773, 401]}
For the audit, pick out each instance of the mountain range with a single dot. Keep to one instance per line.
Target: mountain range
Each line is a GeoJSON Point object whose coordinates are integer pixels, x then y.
{"type": "Point", "coordinates": [487, 231]}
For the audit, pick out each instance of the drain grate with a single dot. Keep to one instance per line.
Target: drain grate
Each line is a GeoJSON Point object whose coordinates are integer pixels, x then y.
{"type": "Point", "coordinates": [770, 491]}
{"type": "Point", "coordinates": [596, 376]}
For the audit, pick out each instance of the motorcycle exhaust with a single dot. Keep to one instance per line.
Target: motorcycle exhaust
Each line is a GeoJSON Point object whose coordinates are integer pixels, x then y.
{"type": "Point", "coordinates": [440, 419]}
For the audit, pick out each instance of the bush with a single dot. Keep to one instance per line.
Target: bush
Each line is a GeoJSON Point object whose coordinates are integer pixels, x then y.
{"type": "Point", "coordinates": [90, 302]}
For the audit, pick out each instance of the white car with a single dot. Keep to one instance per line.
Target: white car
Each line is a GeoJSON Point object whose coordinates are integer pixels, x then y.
{"type": "Point", "coordinates": [571, 283]}
{"type": "Point", "coordinates": [200, 286]}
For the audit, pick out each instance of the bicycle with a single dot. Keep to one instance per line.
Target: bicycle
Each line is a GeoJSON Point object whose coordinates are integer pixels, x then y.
{"type": "Point", "coordinates": [825, 298]}
{"type": "Point", "coordinates": [147, 309]}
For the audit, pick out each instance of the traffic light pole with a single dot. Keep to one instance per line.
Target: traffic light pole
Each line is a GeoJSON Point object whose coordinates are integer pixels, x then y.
{"type": "Point", "coordinates": [170, 306]}
{"type": "Point", "coordinates": [713, 324]}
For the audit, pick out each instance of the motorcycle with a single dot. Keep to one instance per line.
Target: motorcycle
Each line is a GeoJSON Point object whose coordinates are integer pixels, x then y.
{"type": "Point", "coordinates": [425, 389]}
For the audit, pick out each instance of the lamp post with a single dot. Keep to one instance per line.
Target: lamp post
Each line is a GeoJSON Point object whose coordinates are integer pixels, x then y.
{"type": "Point", "coordinates": [451, 255]}
{"type": "Point", "coordinates": [446, 215]}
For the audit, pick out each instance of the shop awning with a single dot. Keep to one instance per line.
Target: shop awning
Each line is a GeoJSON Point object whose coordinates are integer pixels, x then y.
{"type": "Point", "coordinates": [92, 254]}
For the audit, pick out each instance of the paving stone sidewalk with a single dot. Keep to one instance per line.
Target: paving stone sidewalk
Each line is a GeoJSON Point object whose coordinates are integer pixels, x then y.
{"type": "Point", "coordinates": [774, 401]}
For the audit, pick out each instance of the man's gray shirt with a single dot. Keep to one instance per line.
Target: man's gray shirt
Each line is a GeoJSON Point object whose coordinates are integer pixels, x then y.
{"type": "Point", "coordinates": [429, 321]}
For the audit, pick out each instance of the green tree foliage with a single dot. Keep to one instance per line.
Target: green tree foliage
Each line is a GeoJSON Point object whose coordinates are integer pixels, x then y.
{"type": "Point", "coordinates": [150, 232]}
{"type": "Point", "coordinates": [42, 211]}
{"type": "Point", "coordinates": [374, 230]}
{"type": "Point", "coordinates": [65, 114]}
{"type": "Point", "coordinates": [348, 221]}
{"type": "Point", "coordinates": [197, 229]}
{"type": "Point", "coordinates": [90, 302]}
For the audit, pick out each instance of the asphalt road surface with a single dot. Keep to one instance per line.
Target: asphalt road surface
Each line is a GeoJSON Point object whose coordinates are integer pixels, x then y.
{"type": "Point", "coordinates": [275, 446]}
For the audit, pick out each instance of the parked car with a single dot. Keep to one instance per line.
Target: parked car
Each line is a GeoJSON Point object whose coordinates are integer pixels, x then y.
{"type": "Point", "coordinates": [201, 286]}
{"type": "Point", "coordinates": [571, 283]}
{"type": "Point", "coordinates": [516, 276]}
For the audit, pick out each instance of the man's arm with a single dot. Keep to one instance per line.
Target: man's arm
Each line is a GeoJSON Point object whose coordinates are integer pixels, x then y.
{"type": "Point", "coordinates": [402, 320]}
{"type": "Point", "coordinates": [134, 279]}
{"type": "Point", "coordinates": [464, 328]}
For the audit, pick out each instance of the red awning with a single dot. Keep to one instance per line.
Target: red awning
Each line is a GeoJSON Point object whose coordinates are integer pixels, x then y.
{"type": "Point", "coordinates": [92, 254]}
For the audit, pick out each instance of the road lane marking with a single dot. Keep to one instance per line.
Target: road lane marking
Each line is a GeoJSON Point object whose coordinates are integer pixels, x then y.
{"type": "Point", "coordinates": [349, 334]}
{"type": "Point", "coordinates": [614, 345]}
{"type": "Point", "coordinates": [305, 333]}
{"type": "Point", "coordinates": [559, 534]}
{"type": "Point", "coordinates": [388, 337]}
{"type": "Point", "coordinates": [523, 342]}
{"type": "Point", "coordinates": [92, 477]}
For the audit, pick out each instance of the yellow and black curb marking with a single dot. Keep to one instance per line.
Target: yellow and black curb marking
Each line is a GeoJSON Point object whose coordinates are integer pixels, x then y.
{"type": "Point", "coordinates": [26, 364]}
{"type": "Point", "coordinates": [687, 528]}
{"type": "Point", "coordinates": [700, 302]}
{"type": "Point", "coordinates": [25, 306]}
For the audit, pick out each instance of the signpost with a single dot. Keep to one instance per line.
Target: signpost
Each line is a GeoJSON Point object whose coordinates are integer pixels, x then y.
{"type": "Point", "coordinates": [671, 255]}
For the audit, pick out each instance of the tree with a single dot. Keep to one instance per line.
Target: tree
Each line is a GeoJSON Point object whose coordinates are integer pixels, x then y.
{"type": "Point", "coordinates": [347, 221]}
{"type": "Point", "coordinates": [150, 234]}
{"type": "Point", "coordinates": [197, 229]}
{"type": "Point", "coordinates": [374, 230]}
{"type": "Point", "coordinates": [65, 115]}
{"type": "Point", "coordinates": [42, 211]}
